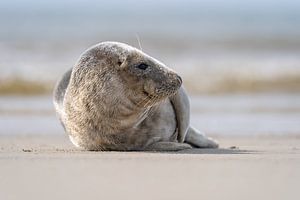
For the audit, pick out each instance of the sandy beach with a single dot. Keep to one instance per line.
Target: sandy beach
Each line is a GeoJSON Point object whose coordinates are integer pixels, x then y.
{"type": "Point", "coordinates": [49, 167]}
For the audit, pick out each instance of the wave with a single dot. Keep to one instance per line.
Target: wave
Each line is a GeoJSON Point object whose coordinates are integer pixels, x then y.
{"type": "Point", "coordinates": [24, 87]}
{"type": "Point", "coordinates": [236, 84]}
{"type": "Point", "coordinates": [195, 85]}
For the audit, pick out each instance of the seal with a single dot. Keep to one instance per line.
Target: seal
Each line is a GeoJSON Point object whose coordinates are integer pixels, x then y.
{"type": "Point", "coordinates": [117, 98]}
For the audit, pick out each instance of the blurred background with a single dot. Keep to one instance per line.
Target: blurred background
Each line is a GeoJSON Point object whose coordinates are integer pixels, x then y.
{"type": "Point", "coordinates": [240, 60]}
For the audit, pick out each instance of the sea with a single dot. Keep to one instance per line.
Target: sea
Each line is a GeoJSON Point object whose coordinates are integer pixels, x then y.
{"type": "Point", "coordinates": [239, 60]}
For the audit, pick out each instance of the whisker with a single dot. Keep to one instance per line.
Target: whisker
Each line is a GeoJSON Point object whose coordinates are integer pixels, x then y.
{"type": "Point", "coordinates": [139, 42]}
{"type": "Point", "coordinates": [142, 101]}
{"type": "Point", "coordinates": [153, 109]}
{"type": "Point", "coordinates": [148, 102]}
{"type": "Point", "coordinates": [151, 100]}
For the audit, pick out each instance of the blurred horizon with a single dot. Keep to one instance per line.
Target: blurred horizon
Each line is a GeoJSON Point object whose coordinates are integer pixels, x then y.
{"type": "Point", "coordinates": [216, 46]}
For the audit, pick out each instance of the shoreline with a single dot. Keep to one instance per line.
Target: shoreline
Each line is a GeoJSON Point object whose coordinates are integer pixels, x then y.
{"type": "Point", "coordinates": [37, 143]}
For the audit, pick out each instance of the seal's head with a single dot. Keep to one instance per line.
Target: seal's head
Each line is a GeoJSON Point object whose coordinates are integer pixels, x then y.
{"type": "Point", "coordinates": [126, 71]}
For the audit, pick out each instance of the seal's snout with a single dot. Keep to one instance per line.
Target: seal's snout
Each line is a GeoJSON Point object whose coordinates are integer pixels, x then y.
{"type": "Point", "coordinates": [168, 85]}
{"type": "Point", "coordinates": [175, 80]}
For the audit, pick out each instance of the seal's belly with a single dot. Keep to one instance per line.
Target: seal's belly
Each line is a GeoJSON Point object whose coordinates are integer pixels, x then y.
{"type": "Point", "coordinates": [158, 126]}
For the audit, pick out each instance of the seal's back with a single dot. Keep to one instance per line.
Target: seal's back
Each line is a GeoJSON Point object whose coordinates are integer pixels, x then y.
{"type": "Point", "coordinates": [60, 91]}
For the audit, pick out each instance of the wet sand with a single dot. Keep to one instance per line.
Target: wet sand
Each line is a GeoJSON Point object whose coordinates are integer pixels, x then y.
{"type": "Point", "coordinates": [49, 167]}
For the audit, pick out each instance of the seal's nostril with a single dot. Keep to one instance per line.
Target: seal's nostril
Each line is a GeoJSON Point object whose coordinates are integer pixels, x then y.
{"type": "Point", "coordinates": [179, 79]}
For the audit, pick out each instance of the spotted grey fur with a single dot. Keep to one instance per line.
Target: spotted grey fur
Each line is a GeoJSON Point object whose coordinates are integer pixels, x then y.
{"type": "Point", "coordinates": [118, 98]}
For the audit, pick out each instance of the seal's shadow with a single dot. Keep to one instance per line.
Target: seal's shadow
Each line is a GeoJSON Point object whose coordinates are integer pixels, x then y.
{"type": "Point", "coordinates": [215, 151]}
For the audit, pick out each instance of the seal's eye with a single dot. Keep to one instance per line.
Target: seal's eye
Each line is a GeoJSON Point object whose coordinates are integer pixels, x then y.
{"type": "Point", "coordinates": [142, 66]}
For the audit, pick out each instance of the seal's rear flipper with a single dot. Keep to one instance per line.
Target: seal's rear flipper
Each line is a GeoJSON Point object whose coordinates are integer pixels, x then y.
{"type": "Point", "coordinates": [198, 139]}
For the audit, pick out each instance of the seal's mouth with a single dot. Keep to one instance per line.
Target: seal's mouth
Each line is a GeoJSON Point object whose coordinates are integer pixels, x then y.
{"type": "Point", "coordinates": [146, 93]}
{"type": "Point", "coordinates": [149, 95]}
{"type": "Point", "coordinates": [154, 97]}
{"type": "Point", "coordinates": [161, 90]}
{"type": "Point", "coordinates": [160, 94]}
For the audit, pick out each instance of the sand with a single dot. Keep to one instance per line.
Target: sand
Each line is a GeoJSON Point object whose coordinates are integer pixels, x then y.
{"type": "Point", "coordinates": [49, 167]}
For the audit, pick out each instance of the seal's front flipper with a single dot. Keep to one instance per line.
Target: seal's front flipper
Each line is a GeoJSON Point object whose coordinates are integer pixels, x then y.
{"type": "Point", "coordinates": [168, 146]}
{"type": "Point", "coordinates": [181, 105]}
{"type": "Point", "coordinates": [198, 139]}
